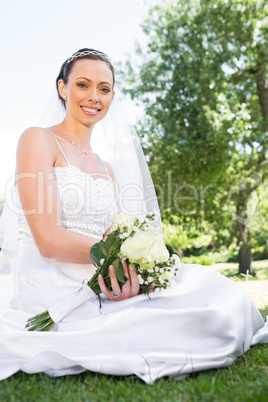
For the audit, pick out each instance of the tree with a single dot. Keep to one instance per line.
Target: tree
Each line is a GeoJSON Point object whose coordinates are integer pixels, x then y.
{"type": "Point", "coordinates": [203, 82]}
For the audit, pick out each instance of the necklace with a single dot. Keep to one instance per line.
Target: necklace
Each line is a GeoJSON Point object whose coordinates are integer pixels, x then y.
{"type": "Point", "coordinates": [75, 143]}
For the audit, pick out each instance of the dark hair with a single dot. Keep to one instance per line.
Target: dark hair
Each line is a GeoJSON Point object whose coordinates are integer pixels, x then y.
{"type": "Point", "coordinates": [68, 64]}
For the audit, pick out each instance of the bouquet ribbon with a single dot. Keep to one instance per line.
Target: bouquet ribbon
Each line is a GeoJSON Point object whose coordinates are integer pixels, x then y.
{"type": "Point", "coordinates": [67, 305]}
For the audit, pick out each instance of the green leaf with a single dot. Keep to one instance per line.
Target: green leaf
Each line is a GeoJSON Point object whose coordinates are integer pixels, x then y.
{"type": "Point", "coordinates": [98, 251]}
{"type": "Point", "coordinates": [103, 251]}
{"type": "Point", "coordinates": [119, 271]}
{"type": "Point", "coordinates": [111, 239]}
{"type": "Point", "coordinates": [96, 255]}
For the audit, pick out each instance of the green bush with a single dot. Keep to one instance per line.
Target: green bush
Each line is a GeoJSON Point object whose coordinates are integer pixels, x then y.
{"type": "Point", "coordinates": [187, 238]}
{"type": "Point", "coordinates": [201, 259]}
{"type": "Point", "coordinates": [194, 242]}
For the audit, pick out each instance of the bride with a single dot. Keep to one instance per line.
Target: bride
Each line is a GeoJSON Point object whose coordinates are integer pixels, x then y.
{"type": "Point", "coordinates": [71, 179]}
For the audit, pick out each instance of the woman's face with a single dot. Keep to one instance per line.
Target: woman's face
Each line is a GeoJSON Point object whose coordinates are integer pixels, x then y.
{"type": "Point", "coordinates": [89, 91]}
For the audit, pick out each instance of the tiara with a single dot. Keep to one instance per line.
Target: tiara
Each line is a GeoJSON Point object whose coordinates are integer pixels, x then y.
{"type": "Point", "coordinates": [87, 52]}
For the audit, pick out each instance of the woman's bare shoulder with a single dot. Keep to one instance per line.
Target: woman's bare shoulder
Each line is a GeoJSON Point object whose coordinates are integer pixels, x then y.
{"type": "Point", "coordinates": [36, 133]}
{"type": "Point", "coordinates": [36, 137]}
{"type": "Point", "coordinates": [37, 140]}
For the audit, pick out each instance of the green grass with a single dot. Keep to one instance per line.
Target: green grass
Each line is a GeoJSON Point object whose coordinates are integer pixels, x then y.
{"type": "Point", "coordinates": [257, 286]}
{"type": "Point", "coordinates": [246, 380]}
{"type": "Point", "coordinates": [231, 270]}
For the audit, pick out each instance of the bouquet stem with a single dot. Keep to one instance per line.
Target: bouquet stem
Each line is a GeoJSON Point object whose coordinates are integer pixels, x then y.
{"type": "Point", "coordinates": [46, 320]}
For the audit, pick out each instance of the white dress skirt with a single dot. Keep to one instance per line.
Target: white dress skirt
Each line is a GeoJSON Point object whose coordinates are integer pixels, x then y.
{"type": "Point", "coordinates": [203, 322]}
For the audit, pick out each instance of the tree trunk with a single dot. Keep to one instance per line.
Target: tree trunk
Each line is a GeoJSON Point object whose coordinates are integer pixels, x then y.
{"type": "Point", "coordinates": [245, 259]}
{"type": "Point", "coordinates": [262, 88]}
{"type": "Point", "coordinates": [245, 256]}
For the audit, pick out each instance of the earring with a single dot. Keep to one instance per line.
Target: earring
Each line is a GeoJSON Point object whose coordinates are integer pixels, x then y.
{"type": "Point", "coordinates": [65, 97]}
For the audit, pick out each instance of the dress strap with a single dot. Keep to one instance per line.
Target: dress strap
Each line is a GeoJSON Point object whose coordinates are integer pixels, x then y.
{"type": "Point", "coordinates": [112, 180]}
{"type": "Point", "coordinates": [59, 145]}
{"type": "Point", "coordinates": [106, 170]}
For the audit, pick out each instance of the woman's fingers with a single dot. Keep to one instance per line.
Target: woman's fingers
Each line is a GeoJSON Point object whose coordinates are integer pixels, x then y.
{"type": "Point", "coordinates": [103, 286]}
{"type": "Point", "coordinates": [125, 269]}
{"type": "Point", "coordinates": [126, 288]}
{"type": "Point", "coordinates": [135, 284]}
{"type": "Point", "coordinates": [114, 281]}
{"type": "Point", "coordinates": [130, 288]}
{"type": "Point", "coordinates": [111, 295]}
{"type": "Point", "coordinates": [116, 293]}
{"type": "Point", "coordinates": [132, 285]}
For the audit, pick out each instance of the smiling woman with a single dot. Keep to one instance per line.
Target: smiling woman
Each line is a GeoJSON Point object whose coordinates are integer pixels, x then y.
{"type": "Point", "coordinates": [85, 85]}
{"type": "Point", "coordinates": [89, 87]}
{"type": "Point", "coordinates": [64, 201]}
{"type": "Point", "coordinates": [82, 54]}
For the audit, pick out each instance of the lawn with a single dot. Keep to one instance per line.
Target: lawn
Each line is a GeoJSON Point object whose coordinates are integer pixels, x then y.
{"type": "Point", "coordinates": [256, 286]}
{"type": "Point", "coordinates": [230, 269]}
{"type": "Point", "coordinates": [246, 380]}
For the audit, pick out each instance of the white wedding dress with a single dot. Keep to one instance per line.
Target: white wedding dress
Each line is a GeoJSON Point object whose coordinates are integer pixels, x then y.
{"type": "Point", "coordinates": [204, 322]}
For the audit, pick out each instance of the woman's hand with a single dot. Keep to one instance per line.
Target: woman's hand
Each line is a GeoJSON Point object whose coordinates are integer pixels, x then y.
{"type": "Point", "coordinates": [129, 289]}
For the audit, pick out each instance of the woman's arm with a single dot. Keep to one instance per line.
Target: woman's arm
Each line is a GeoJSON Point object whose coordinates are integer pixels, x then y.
{"type": "Point", "coordinates": [36, 155]}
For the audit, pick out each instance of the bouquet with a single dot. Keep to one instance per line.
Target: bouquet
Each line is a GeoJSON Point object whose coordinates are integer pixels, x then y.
{"type": "Point", "coordinates": [133, 240]}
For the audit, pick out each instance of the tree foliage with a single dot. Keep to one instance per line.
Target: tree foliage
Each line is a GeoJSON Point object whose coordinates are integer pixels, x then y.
{"type": "Point", "coordinates": [203, 81]}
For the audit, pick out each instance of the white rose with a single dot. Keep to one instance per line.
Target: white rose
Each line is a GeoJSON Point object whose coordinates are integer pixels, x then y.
{"type": "Point", "coordinates": [123, 219]}
{"type": "Point", "coordinates": [136, 248]}
{"type": "Point", "coordinates": [159, 252]}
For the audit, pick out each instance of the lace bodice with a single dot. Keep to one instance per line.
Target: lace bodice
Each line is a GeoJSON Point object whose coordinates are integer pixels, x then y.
{"type": "Point", "coordinates": [87, 204]}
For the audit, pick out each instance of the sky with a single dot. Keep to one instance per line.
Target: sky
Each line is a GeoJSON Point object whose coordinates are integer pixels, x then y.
{"type": "Point", "coordinates": [36, 36]}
